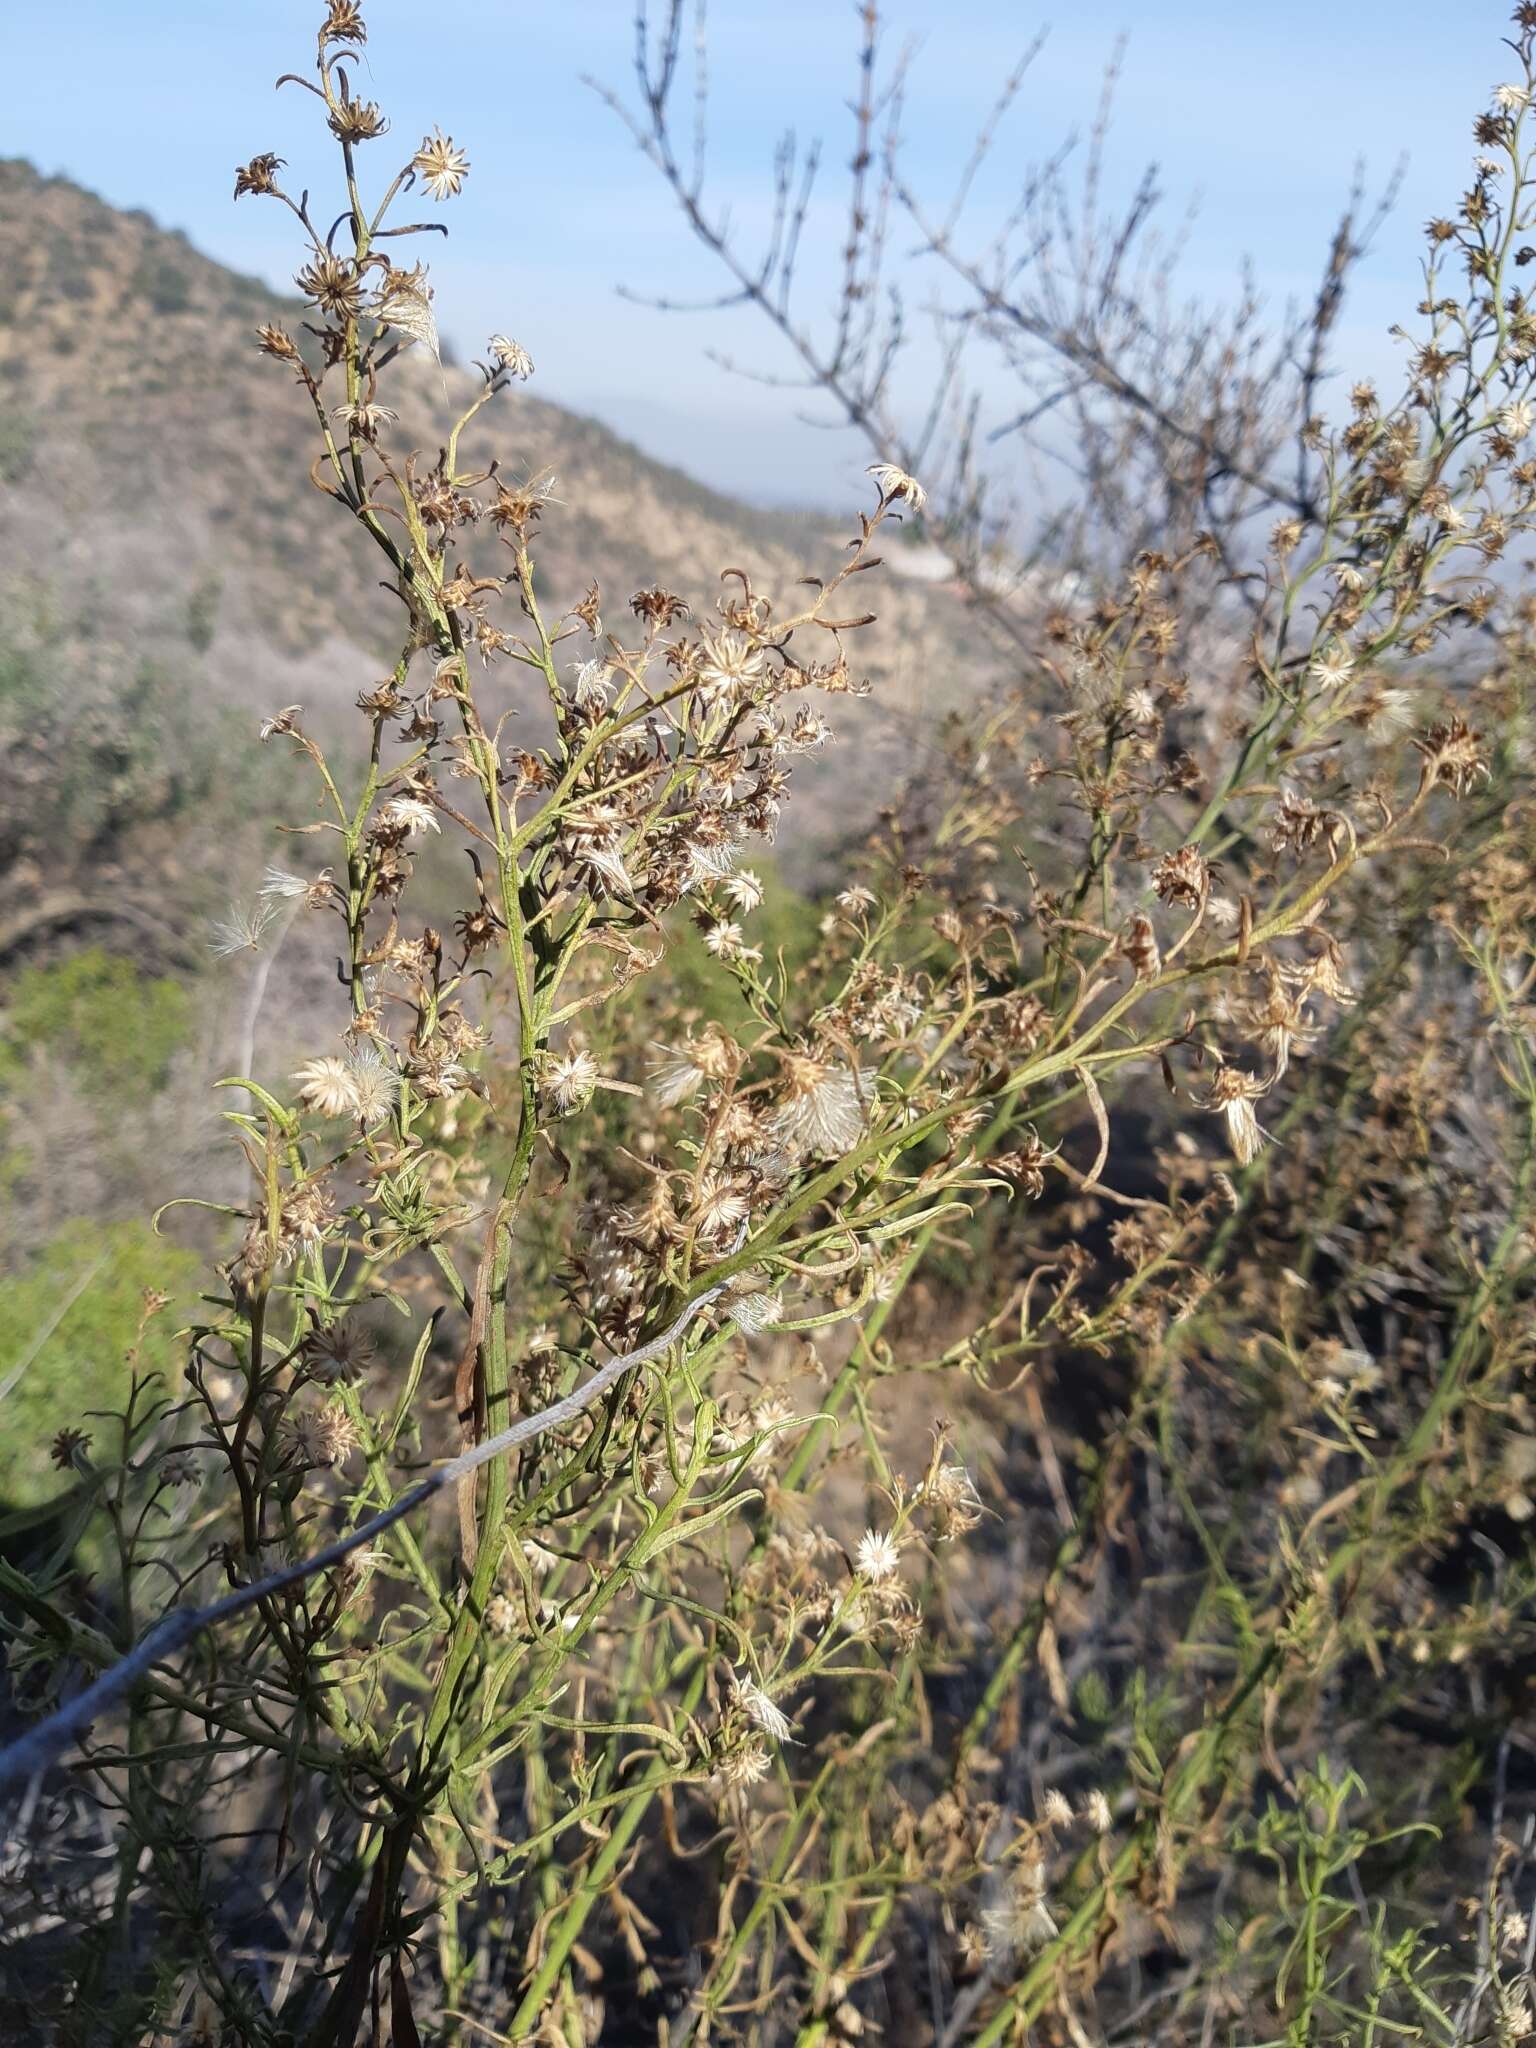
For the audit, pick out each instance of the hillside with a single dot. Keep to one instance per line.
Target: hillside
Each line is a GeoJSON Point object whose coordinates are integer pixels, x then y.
{"type": "Point", "coordinates": [154, 507]}
{"type": "Point", "coordinates": [168, 576]}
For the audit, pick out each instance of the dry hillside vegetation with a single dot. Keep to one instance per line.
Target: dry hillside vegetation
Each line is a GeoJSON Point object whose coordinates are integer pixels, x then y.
{"type": "Point", "coordinates": [947, 1459]}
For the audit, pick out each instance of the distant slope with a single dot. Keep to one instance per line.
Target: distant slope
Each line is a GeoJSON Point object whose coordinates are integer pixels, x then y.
{"type": "Point", "coordinates": [153, 496]}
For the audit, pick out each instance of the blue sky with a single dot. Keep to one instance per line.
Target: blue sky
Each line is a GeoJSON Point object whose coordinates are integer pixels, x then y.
{"type": "Point", "coordinates": [1256, 113]}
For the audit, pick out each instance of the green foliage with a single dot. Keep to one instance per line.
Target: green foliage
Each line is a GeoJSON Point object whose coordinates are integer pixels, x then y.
{"type": "Point", "coordinates": [165, 285]}
{"type": "Point", "coordinates": [203, 612]}
{"type": "Point", "coordinates": [18, 439]}
{"type": "Point", "coordinates": [94, 754]}
{"type": "Point", "coordinates": [784, 925]}
{"type": "Point", "coordinates": [117, 1027]}
{"type": "Point", "coordinates": [67, 1323]}
{"type": "Point", "coordinates": [1314, 1847]}
{"type": "Point", "coordinates": [1092, 1697]}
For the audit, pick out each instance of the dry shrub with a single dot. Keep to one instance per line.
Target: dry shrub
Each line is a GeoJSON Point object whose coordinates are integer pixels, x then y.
{"type": "Point", "coordinates": [1150, 1113]}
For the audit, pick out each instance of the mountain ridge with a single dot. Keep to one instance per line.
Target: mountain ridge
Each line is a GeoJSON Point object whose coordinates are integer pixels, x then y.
{"type": "Point", "coordinates": [153, 494]}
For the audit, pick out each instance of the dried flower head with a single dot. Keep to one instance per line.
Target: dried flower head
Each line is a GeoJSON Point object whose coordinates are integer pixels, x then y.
{"type": "Point", "coordinates": [761, 1711]}
{"type": "Point", "coordinates": [1018, 1922]}
{"type": "Point", "coordinates": [510, 357]}
{"type": "Point", "coordinates": [405, 304]}
{"type": "Point", "coordinates": [243, 930]}
{"type": "Point", "coordinates": [344, 23]}
{"type": "Point", "coordinates": [893, 482]}
{"type": "Point", "coordinates": [1332, 667]}
{"type": "Point", "coordinates": [355, 121]}
{"type": "Point", "coordinates": [67, 1446]}
{"type": "Point", "coordinates": [375, 1086]}
{"type": "Point", "coordinates": [259, 175]}
{"type": "Point", "coordinates": [744, 891]}
{"type": "Point", "coordinates": [340, 1351]}
{"type": "Point", "coordinates": [730, 666]}
{"type": "Point", "coordinates": [1183, 877]}
{"type": "Point", "coordinates": [1234, 1093]}
{"type": "Point", "coordinates": [745, 1765]}
{"type": "Point", "coordinates": [276, 881]}
{"type": "Point", "coordinates": [823, 1113]}
{"type": "Point", "coordinates": [950, 1493]}
{"type": "Point", "coordinates": [440, 166]}
{"type": "Point", "coordinates": [1056, 1809]}
{"type": "Point", "coordinates": [752, 1307]}
{"type": "Point", "coordinates": [326, 1086]}
{"type": "Point", "coordinates": [568, 1080]}
{"type": "Point", "coordinates": [1453, 756]}
{"type": "Point", "coordinates": [333, 284]}
{"type": "Point", "coordinates": [409, 815]}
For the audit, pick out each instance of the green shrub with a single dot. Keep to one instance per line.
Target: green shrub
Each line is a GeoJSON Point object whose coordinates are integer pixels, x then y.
{"type": "Point", "coordinates": [67, 1323]}
{"type": "Point", "coordinates": [18, 442]}
{"type": "Point", "coordinates": [203, 612]}
{"type": "Point", "coordinates": [115, 1025]}
{"type": "Point", "coordinates": [166, 287]}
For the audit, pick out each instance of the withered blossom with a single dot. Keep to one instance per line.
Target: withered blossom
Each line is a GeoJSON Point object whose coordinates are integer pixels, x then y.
{"type": "Point", "coordinates": [69, 1446]}
{"type": "Point", "coordinates": [761, 1711]}
{"type": "Point", "coordinates": [344, 22]}
{"type": "Point", "coordinates": [593, 685]}
{"type": "Point", "coordinates": [754, 1308]}
{"type": "Point", "coordinates": [1056, 1809]}
{"type": "Point", "coordinates": [340, 1351]}
{"type": "Point", "coordinates": [1332, 668]}
{"type": "Point", "coordinates": [674, 1075]}
{"type": "Point", "coordinates": [410, 815]}
{"type": "Point", "coordinates": [276, 881]}
{"type": "Point", "coordinates": [365, 418]}
{"type": "Point", "coordinates": [326, 1086]}
{"type": "Point", "coordinates": [893, 482]}
{"type": "Point", "coordinates": [1452, 756]}
{"type": "Point", "coordinates": [276, 341]}
{"type": "Point", "coordinates": [244, 929]}
{"type": "Point", "coordinates": [1183, 877]}
{"type": "Point", "coordinates": [1234, 1093]}
{"type": "Point", "coordinates": [333, 283]}
{"type": "Point", "coordinates": [657, 607]}
{"type": "Point", "coordinates": [324, 1436]}
{"type": "Point", "coordinates": [721, 1206]}
{"type": "Point", "coordinates": [354, 121]}
{"type": "Point", "coordinates": [730, 666]}
{"type": "Point", "coordinates": [725, 940]}
{"type": "Point", "coordinates": [441, 167]}
{"type": "Point", "coordinates": [823, 1112]}
{"type": "Point", "coordinates": [744, 890]}
{"type": "Point", "coordinates": [375, 1086]}
{"type": "Point", "coordinates": [568, 1080]}
{"type": "Point", "coordinates": [745, 1765]}
{"type": "Point", "coordinates": [405, 304]}
{"type": "Point", "coordinates": [1017, 1922]}
{"type": "Point", "coordinates": [510, 357]}
{"type": "Point", "coordinates": [258, 176]}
